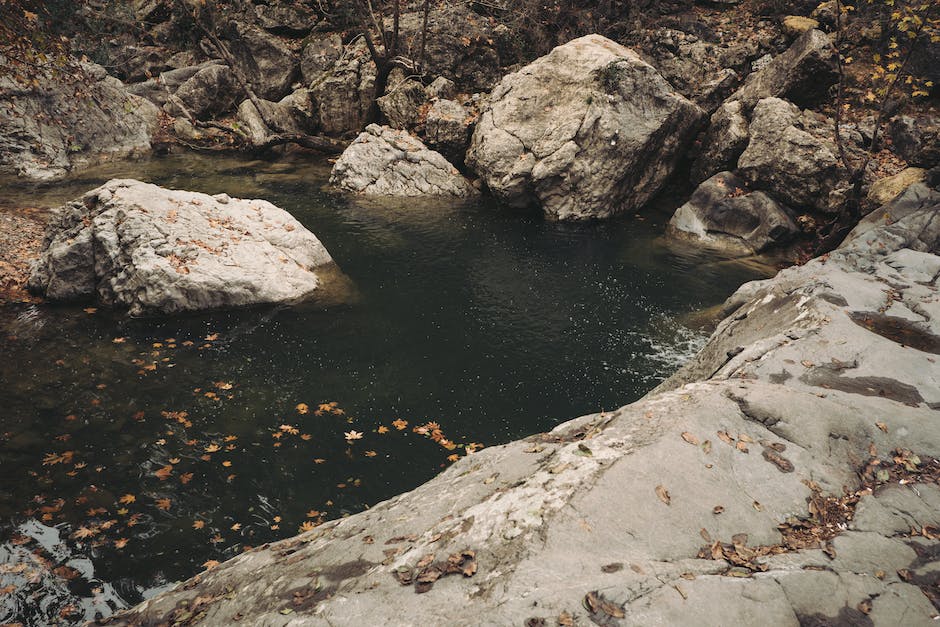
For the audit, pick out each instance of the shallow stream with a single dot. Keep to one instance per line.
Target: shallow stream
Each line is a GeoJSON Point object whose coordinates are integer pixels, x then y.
{"type": "Point", "coordinates": [135, 451]}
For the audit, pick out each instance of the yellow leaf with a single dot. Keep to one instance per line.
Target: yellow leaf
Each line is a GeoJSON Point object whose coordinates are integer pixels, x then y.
{"type": "Point", "coordinates": [163, 504]}
{"type": "Point", "coordinates": [127, 499]}
{"type": "Point", "coordinates": [199, 524]}
{"type": "Point", "coordinates": [302, 408]}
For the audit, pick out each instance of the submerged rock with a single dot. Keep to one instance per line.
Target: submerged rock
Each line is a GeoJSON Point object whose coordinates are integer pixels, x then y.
{"type": "Point", "coordinates": [588, 131]}
{"type": "Point", "coordinates": [388, 162]}
{"type": "Point", "coordinates": [47, 130]}
{"type": "Point", "coordinates": [160, 251]}
{"type": "Point", "coordinates": [723, 214]}
{"type": "Point", "coordinates": [717, 499]}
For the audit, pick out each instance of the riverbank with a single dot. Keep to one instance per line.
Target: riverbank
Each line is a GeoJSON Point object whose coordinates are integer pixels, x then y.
{"type": "Point", "coordinates": [790, 478]}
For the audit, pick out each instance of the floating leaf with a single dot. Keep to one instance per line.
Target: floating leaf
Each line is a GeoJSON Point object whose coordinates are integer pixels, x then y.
{"type": "Point", "coordinates": [163, 504]}
{"type": "Point", "coordinates": [400, 424]}
{"type": "Point", "coordinates": [352, 435]}
{"type": "Point", "coordinates": [127, 499]}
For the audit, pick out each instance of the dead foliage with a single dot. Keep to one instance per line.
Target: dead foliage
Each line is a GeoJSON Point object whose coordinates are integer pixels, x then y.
{"type": "Point", "coordinates": [427, 571]}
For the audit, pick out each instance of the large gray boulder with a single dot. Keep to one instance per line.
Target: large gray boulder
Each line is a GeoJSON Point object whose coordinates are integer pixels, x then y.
{"type": "Point", "coordinates": [588, 131]}
{"type": "Point", "coordinates": [48, 129]}
{"type": "Point", "coordinates": [264, 60]}
{"type": "Point", "coordinates": [723, 143]}
{"type": "Point", "coordinates": [791, 154]}
{"type": "Point", "coordinates": [211, 90]}
{"type": "Point", "coordinates": [724, 214]}
{"type": "Point", "coordinates": [401, 104]}
{"type": "Point", "coordinates": [293, 114]}
{"type": "Point", "coordinates": [787, 477]}
{"type": "Point", "coordinates": [447, 129]}
{"type": "Point", "coordinates": [803, 74]}
{"type": "Point", "coordinates": [343, 94]}
{"type": "Point", "coordinates": [916, 139]}
{"type": "Point", "coordinates": [158, 251]}
{"type": "Point", "coordinates": [388, 162]}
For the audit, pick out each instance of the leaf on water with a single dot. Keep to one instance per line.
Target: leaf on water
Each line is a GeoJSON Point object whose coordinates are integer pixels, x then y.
{"type": "Point", "coordinates": [319, 460]}
{"type": "Point", "coordinates": [691, 439]}
{"type": "Point", "coordinates": [210, 564]}
{"type": "Point", "coordinates": [163, 504]}
{"type": "Point", "coordinates": [370, 453]}
{"type": "Point", "coordinates": [227, 463]}
{"type": "Point", "coordinates": [307, 525]}
{"type": "Point", "coordinates": [352, 435]}
{"type": "Point", "coordinates": [663, 494]}
{"type": "Point", "coordinates": [400, 424]}
{"type": "Point", "coordinates": [382, 429]}
{"type": "Point", "coordinates": [119, 340]}
{"type": "Point", "coordinates": [199, 524]}
{"type": "Point", "coordinates": [127, 499]}
{"type": "Point", "coordinates": [236, 527]}
{"type": "Point", "coordinates": [302, 408]}
{"type": "Point", "coordinates": [85, 532]}
{"type": "Point", "coordinates": [212, 448]}
{"type": "Point", "coordinates": [90, 310]}
{"type": "Point", "coordinates": [186, 477]}
{"type": "Point", "coordinates": [163, 473]}
{"type": "Point", "coordinates": [120, 543]}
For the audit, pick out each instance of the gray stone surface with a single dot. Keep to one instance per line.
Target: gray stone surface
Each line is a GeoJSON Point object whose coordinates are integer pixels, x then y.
{"type": "Point", "coordinates": [211, 90]}
{"type": "Point", "coordinates": [48, 130]}
{"type": "Point", "coordinates": [263, 59]}
{"type": "Point", "coordinates": [388, 162]}
{"type": "Point", "coordinates": [402, 103]}
{"type": "Point", "coordinates": [621, 502]}
{"type": "Point", "coordinates": [447, 129]}
{"type": "Point", "coordinates": [588, 131]}
{"type": "Point", "coordinates": [343, 94]}
{"type": "Point", "coordinates": [802, 74]}
{"type": "Point", "coordinates": [156, 251]}
{"type": "Point", "coordinates": [724, 214]}
{"type": "Point", "coordinates": [723, 143]}
{"type": "Point", "coordinates": [791, 155]}
{"type": "Point", "coordinates": [292, 114]}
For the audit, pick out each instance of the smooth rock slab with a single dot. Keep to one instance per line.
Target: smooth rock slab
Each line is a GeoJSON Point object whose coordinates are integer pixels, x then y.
{"type": "Point", "coordinates": [159, 251]}
{"type": "Point", "coordinates": [386, 162]}
{"type": "Point", "coordinates": [588, 131]}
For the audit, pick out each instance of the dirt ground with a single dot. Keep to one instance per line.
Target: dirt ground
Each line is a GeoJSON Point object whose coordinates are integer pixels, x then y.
{"type": "Point", "coordinates": [21, 232]}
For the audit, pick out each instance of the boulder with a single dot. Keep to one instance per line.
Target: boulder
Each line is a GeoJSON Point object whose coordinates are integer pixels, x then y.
{"type": "Point", "coordinates": [287, 19]}
{"type": "Point", "coordinates": [71, 119]}
{"type": "Point", "coordinates": [723, 214]}
{"type": "Point", "coordinates": [210, 91]}
{"type": "Point", "coordinates": [885, 190]}
{"type": "Point", "coordinates": [388, 162]}
{"type": "Point", "coordinates": [803, 74]}
{"type": "Point", "coordinates": [796, 25]}
{"type": "Point", "coordinates": [790, 154]}
{"type": "Point", "coordinates": [158, 89]}
{"type": "Point", "coordinates": [263, 59]}
{"type": "Point", "coordinates": [916, 140]}
{"type": "Point", "coordinates": [723, 143]}
{"type": "Point", "coordinates": [319, 56]}
{"type": "Point", "coordinates": [343, 94]}
{"type": "Point", "coordinates": [442, 88]}
{"type": "Point", "coordinates": [401, 105]}
{"type": "Point", "coordinates": [151, 250]}
{"type": "Point", "coordinates": [588, 131]}
{"type": "Point", "coordinates": [293, 114]}
{"type": "Point", "coordinates": [447, 129]}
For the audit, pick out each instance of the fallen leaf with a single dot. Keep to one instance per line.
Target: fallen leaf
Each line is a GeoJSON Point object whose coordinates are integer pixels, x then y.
{"type": "Point", "coordinates": [718, 509]}
{"type": "Point", "coordinates": [382, 429]}
{"type": "Point", "coordinates": [210, 564]}
{"type": "Point", "coordinates": [120, 543]}
{"type": "Point", "coordinates": [352, 435]}
{"type": "Point", "coordinates": [882, 426]}
{"type": "Point", "coordinates": [400, 424]}
{"type": "Point", "coordinates": [199, 524]}
{"type": "Point", "coordinates": [663, 494]}
{"type": "Point", "coordinates": [691, 439]}
{"type": "Point", "coordinates": [163, 504]}
{"type": "Point", "coordinates": [127, 499]}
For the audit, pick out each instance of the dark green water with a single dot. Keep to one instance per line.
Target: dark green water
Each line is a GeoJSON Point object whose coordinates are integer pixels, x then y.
{"type": "Point", "coordinates": [490, 323]}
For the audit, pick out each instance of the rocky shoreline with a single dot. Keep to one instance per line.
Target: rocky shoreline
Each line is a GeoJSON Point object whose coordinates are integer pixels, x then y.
{"type": "Point", "coordinates": [787, 475]}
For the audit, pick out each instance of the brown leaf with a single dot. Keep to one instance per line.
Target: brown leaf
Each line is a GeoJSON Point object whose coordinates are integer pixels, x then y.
{"type": "Point", "coordinates": [718, 509]}
{"type": "Point", "coordinates": [745, 438]}
{"type": "Point", "coordinates": [727, 439]}
{"type": "Point", "coordinates": [663, 494]}
{"type": "Point", "coordinates": [595, 603]}
{"type": "Point", "coordinates": [707, 446]}
{"type": "Point", "coordinates": [705, 535]}
{"type": "Point", "coordinates": [611, 568]}
{"type": "Point", "coordinates": [691, 439]}
{"type": "Point", "coordinates": [565, 620]}
{"type": "Point", "coordinates": [882, 426]}
{"type": "Point", "coordinates": [782, 463]}
{"type": "Point", "coordinates": [741, 446]}
{"type": "Point", "coordinates": [865, 607]}
{"type": "Point", "coordinates": [424, 561]}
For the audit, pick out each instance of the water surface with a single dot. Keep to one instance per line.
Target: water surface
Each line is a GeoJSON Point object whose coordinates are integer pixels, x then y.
{"type": "Point", "coordinates": [133, 452]}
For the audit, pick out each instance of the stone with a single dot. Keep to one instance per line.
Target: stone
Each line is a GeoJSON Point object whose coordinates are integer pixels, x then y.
{"type": "Point", "coordinates": [401, 105]}
{"type": "Point", "coordinates": [156, 251]}
{"type": "Point", "coordinates": [588, 131]}
{"type": "Point", "coordinates": [447, 129]}
{"type": "Point", "coordinates": [442, 88]}
{"type": "Point", "coordinates": [293, 114]}
{"type": "Point", "coordinates": [916, 140]}
{"type": "Point", "coordinates": [827, 13]}
{"type": "Point", "coordinates": [724, 141]}
{"type": "Point", "coordinates": [803, 74]}
{"type": "Point", "coordinates": [319, 56]}
{"type": "Point", "coordinates": [47, 130]}
{"type": "Point", "coordinates": [789, 154]}
{"type": "Point", "coordinates": [288, 19]}
{"type": "Point", "coordinates": [796, 25]}
{"type": "Point", "coordinates": [264, 60]}
{"type": "Point", "coordinates": [388, 162]}
{"type": "Point", "coordinates": [343, 95]}
{"type": "Point", "coordinates": [885, 190]}
{"type": "Point", "coordinates": [207, 93]}
{"type": "Point", "coordinates": [723, 214]}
